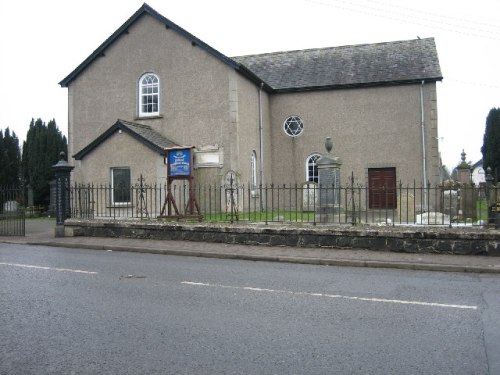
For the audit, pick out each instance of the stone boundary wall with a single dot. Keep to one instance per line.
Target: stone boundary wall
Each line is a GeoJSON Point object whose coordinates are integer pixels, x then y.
{"type": "Point", "coordinates": [462, 241]}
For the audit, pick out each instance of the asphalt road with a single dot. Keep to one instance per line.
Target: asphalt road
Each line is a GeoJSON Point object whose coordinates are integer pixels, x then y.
{"type": "Point", "coordinates": [70, 311]}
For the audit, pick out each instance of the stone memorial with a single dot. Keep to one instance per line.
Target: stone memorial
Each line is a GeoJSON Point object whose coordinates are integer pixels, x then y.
{"type": "Point", "coordinates": [329, 183]}
{"type": "Point", "coordinates": [233, 193]}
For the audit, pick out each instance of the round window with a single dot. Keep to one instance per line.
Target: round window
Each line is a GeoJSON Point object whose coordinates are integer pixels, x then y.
{"type": "Point", "coordinates": [293, 126]}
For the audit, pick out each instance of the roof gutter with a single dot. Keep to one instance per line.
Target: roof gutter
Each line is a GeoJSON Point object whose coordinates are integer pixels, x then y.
{"type": "Point", "coordinates": [356, 85]}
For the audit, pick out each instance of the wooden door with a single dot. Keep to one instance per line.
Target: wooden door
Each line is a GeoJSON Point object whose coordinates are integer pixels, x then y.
{"type": "Point", "coordinates": [382, 188]}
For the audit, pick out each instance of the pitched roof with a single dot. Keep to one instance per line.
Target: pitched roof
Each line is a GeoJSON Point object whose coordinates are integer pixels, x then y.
{"type": "Point", "coordinates": [146, 9]}
{"type": "Point", "coordinates": [347, 66]}
{"type": "Point", "coordinates": [478, 163]}
{"type": "Point", "coordinates": [143, 133]}
{"type": "Point", "coordinates": [399, 62]}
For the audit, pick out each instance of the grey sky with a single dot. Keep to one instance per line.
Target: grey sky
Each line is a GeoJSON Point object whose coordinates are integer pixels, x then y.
{"type": "Point", "coordinates": [43, 41]}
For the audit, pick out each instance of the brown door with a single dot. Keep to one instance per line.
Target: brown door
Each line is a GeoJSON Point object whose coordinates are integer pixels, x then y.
{"type": "Point", "coordinates": [382, 188]}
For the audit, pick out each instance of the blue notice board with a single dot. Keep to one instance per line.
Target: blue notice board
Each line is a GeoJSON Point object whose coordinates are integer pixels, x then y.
{"type": "Point", "coordinates": [179, 162]}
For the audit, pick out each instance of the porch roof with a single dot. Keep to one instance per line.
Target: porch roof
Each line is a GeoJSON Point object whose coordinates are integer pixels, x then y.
{"type": "Point", "coordinates": [143, 133]}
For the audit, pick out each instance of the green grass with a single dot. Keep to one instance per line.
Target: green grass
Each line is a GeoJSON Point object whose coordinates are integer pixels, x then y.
{"type": "Point", "coordinates": [279, 216]}
{"type": "Point", "coordinates": [482, 209]}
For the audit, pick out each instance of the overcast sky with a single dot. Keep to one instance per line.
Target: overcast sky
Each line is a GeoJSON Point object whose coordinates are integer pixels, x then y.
{"type": "Point", "coordinates": [41, 42]}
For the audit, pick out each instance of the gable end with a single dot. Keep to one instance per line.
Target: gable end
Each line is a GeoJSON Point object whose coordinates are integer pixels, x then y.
{"type": "Point", "coordinates": [169, 25]}
{"type": "Point", "coordinates": [142, 133]}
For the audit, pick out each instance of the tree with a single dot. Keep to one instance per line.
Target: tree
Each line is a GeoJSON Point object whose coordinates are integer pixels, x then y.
{"type": "Point", "coordinates": [491, 141]}
{"type": "Point", "coordinates": [10, 159]}
{"type": "Point", "coordinates": [41, 151]}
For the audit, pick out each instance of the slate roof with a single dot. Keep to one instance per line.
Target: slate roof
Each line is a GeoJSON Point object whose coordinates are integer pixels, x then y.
{"type": "Point", "coordinates": [398, 62]}
{"type": "Point", "coordinates": [143, 133]}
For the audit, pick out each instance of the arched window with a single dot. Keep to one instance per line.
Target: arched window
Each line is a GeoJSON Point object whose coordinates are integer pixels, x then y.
{"type": "Point", "coordinates": [312, 168]}
{"type": "Point", "coordinates": [149, 95]}
{"type": "Point", "coordinates": [253, 170]}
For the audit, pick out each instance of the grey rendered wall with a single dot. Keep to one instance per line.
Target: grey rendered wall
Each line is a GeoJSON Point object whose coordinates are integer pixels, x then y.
{"type": "Point", "coordinates": [96, 166]}
{"type": "Point", "coordinates": [248, 131]}
{"type": "Point", "coordinates": [370, 127]}
{"type": "Point", "coordinates": [194, 87]}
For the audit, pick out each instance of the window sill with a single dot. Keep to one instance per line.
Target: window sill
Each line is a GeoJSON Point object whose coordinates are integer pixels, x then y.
{"type": "Point", "coordinates": [153, 117]}
{"type": "Point", "coordinates": [121, 205]}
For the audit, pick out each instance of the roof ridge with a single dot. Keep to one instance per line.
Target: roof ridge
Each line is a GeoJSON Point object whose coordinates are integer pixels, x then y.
{"type": "Point", "coordinates": [331, 47]}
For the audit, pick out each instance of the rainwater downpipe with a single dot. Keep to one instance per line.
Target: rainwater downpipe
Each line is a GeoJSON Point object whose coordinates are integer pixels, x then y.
{"type": "Point", "coordinates": [261, 149]}
{"type": "Point", "coordinates": [424, 156]}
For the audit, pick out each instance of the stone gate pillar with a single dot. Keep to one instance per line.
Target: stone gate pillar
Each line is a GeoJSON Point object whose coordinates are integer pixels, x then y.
{"type": "Point", "coordinates": [62, 171]}
{"type": "Point", "coordinates": [329, 183]}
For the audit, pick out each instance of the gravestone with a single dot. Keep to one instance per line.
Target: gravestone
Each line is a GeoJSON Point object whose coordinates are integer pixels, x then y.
{"type": "Point", "coordinates": [450, 203]}
{"type": "Point", "coordinates": [310, 196]}
{"type": "Point", "coordinates": [10, 206]}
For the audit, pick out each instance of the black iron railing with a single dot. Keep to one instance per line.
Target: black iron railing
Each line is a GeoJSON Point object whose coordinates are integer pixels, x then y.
{"type": "Point", "coordinates": [457, 204]}
{"type": "Point", "coordinates": [12, 212]}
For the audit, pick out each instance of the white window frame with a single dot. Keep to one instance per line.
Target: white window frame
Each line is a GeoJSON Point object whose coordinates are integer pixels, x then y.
{"type": "Point", "coordinates": [293, 126]}
{"type": "Point", "coordinates": [314, 165]}
{"type": "Point", "coordinates": [153, 92]}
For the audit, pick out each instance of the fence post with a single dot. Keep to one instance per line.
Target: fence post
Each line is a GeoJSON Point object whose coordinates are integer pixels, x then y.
{"type": "Point", "coordinates": [62, 171]}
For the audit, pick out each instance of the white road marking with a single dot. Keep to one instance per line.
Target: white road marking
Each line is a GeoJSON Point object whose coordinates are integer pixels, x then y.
{"type": "Point", "coordinates": [382, 300]}
{"type": "Point", "coordinates": [47, 268]}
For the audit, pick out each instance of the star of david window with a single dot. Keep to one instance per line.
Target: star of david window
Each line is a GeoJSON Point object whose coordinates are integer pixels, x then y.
{"type": "Point", "coordinates": [293, 126]}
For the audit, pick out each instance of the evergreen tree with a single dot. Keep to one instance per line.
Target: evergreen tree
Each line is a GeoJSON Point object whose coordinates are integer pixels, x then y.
{"type": "Point", "coordinates": [10, 159]}
{"type": "Point", "coordinates": [491, 141]}
{"type": "Point", "coordinates": [2, 159]}
{"type": "Point", "coordinates": [44, 143]}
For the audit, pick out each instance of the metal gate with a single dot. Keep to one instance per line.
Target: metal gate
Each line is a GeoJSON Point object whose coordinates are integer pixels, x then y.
{"type": "Point", "coordinates": [12, 216]}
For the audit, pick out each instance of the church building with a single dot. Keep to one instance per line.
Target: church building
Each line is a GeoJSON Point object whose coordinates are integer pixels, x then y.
{"type": "Point", "coordinates": [261, 118]}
